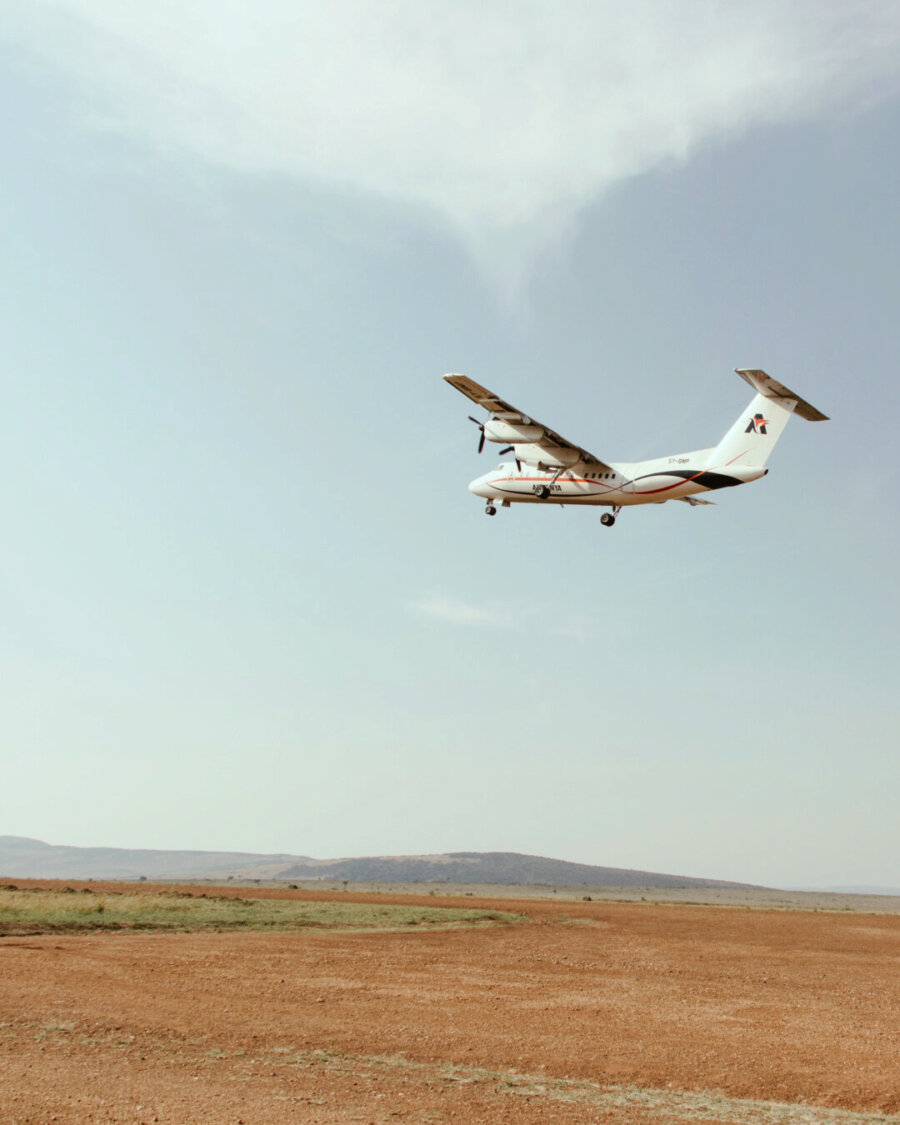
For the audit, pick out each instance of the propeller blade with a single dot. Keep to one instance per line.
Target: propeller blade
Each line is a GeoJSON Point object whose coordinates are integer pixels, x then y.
{"type": "Point", "coordinates": [508, 449]}
{"type": "Point", "coordinates": [480, 425]}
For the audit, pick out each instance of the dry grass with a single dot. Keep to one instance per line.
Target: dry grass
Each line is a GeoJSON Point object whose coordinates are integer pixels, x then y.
{"type": "Point", "coordinates": [41, 911]}
{"type": "Point", "coordinates": [672, 1107]}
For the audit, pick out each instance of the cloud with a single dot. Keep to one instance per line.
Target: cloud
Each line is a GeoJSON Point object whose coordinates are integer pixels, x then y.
{"type": "Point", "coordinates": [542, 619]}
{"type": "Point", "coordinates": [502, 119]}
{"type": "Point", "coordinates": [439, 607]}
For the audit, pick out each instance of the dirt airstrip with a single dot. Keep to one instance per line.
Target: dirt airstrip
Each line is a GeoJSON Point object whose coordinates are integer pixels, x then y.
{"type": "Point", "coordinates": [583, 1011]}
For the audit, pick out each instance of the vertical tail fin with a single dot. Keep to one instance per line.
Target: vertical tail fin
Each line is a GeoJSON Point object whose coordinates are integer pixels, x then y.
{"type": "Point", "coordinates": [753, 436]}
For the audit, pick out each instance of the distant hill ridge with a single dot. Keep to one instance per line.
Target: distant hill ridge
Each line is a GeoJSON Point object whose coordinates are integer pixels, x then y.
{"type": "Point", "coordinates": [487, 867]}
{"type": "Point", "coordinates": [24, 858]}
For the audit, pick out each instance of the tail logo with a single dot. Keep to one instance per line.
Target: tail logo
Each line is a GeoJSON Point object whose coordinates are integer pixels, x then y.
{"type": "Point", "coordinates": [757, 425]}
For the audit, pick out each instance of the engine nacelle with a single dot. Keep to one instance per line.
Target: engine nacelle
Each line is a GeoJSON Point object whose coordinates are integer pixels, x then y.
{"type": "Point", "coordinates": [546, 459]}
{"type": "Point", "coordinates": [509, 433]}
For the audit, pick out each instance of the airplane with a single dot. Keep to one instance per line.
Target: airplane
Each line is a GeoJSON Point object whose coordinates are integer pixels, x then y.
{"type": "Point", "coordinates": [548, 469]}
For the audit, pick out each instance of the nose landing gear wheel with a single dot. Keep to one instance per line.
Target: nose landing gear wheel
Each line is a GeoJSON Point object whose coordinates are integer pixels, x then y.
{"type": "Point", "coordinates": [490, 510]}
{"type": "Point", "coordinates": [607, 519]}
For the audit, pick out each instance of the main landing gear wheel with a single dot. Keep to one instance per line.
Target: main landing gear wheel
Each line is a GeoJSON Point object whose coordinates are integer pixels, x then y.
{"type": "Point", "coordinates": [490, 510]}
{"type": "Point", "coordinates": [542, 493]}
{"type": "Point", "coordinates": [607, 519]}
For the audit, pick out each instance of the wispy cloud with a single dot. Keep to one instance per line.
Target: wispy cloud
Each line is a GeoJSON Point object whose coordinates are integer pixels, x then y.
{"type": "Point", "coordinates": [440, 607]}
{"type": "Point", "coordinates": [502, 119]}
{"type": "Point", "coordinates": [541, 619]}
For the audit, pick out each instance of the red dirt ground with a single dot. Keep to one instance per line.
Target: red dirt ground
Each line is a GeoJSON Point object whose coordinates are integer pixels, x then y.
{"type": "Point", "coordinates": [525, 1022]}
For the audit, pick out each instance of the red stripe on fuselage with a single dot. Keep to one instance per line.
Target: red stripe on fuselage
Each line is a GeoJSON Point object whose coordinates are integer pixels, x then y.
{"type": "Point", "coordinates": [669, 487]}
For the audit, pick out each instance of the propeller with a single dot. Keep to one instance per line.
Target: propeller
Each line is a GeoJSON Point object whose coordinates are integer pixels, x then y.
{"type": "Point", "coordinates": [480, 425]}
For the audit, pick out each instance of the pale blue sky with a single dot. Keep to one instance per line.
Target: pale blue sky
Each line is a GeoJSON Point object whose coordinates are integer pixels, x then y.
{"type": "Point", "coordinates": [248, 602]}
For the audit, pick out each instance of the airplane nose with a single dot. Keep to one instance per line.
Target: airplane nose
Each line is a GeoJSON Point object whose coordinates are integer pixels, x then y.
{"type": "Point", "coordinates": [478, 487]}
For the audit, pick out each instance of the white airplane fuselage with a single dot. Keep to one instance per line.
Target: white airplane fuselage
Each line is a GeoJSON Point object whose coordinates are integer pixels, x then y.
{"type": "Point", "coordinates": [640, 482]}
{"type": "Point", "coordinates": [550, 469]}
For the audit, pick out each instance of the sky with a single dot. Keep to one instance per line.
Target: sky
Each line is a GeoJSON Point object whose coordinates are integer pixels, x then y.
{"type": "Point", "coordinates": [248, 601]}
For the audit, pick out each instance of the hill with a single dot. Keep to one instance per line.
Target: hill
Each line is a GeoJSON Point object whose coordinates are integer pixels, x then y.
{"type": "Point", "coordinates": [33, 859]}
{"type": "Point", "coordinates": [25, 858]}
{"type": "Point", "coordinates": [487, 867]}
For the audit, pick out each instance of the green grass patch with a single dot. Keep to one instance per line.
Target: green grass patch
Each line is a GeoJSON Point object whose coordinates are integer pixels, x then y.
{"type": "Point", "coordinates": [36, 912]}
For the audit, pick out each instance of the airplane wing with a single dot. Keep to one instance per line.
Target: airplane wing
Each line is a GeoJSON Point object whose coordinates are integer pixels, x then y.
{"type": "Point", "coordinates": [549, 441]}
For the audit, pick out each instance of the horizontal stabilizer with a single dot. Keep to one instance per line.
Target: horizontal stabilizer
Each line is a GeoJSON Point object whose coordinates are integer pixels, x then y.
{"type": "Point", "coordinates": [770, 388]}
